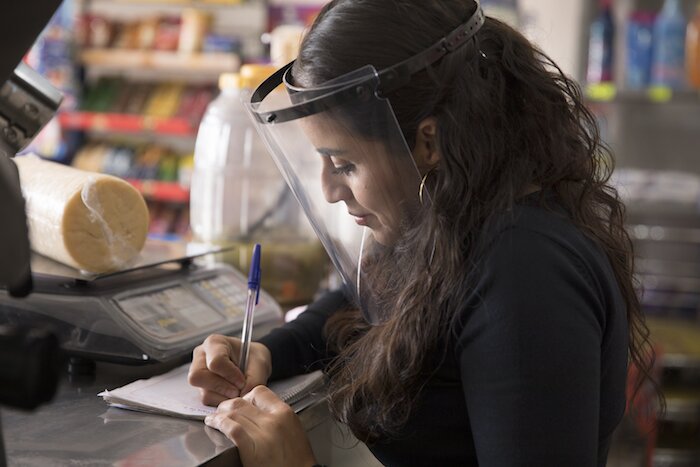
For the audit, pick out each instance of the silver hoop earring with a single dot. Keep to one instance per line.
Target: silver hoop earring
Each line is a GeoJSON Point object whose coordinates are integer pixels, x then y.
{"type": "Point", "coordinates": [422, 184]}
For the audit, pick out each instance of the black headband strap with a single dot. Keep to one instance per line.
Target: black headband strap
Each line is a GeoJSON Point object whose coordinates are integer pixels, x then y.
{"type": "Point", "coordinates": [400, 74]}
{"type": "Point", "coordinates": [390, 79]}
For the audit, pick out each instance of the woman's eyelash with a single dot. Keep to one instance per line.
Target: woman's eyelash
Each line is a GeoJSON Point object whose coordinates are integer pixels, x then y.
{"type": "Point", "coordinates": [344, 169]}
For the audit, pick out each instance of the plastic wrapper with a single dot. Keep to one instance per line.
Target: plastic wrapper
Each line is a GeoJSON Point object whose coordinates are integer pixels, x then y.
{"type": "Point", "coordinates": [92, 222]}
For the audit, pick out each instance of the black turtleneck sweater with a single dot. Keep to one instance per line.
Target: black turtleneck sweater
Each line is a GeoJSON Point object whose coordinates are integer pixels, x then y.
{"type": "Point", "coordinates": [536, 372]}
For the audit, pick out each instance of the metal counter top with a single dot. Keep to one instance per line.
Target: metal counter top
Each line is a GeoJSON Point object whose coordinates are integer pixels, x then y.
{"type": "Point", "coordinates": [79, 429]}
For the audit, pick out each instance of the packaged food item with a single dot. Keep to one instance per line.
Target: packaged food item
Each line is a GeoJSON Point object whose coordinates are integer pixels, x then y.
{"type": "Point", "coordinates": [195, 24]}
{"type": "Point", "coordinates": [83, 31]}
{"type": "Point", "coordinates": [692, 46]}
{"type": "Point", "coordinates": [601, 46]}
{"type": "Point", "coordinates": [90, 158]}
{"type": "Point", "coordinates": [285, 41]}
{"type": "Point", "coordinates": [147, 33]}
{"type": "Point", "coordinates": [182, 225]}
{"type": "Point", "coordinates": [92, 222]}
{"type": "Point", "coordinates": [203, 97]}
{"type": "Point", "coordinates": [167, 170]}
{"type": "Point", "coordinates": [639, 49]}
{"type": "Point", "coordinates": [102, 32]}
{"type": "Point", "coordinates": [219, 43]}
{"type": "Point", "coordinates": [127, 36]}
{"type": "Point", "coordinates": [167, 34]}
{"type": "Point", "coordinates": [668, 65]}
{"type": "Point", "coordinates": [118, 161]}
{"type": "Point", "coordinates": [184, 172]}
{"type": "Point", "coordinates": [147, 163]}
{"type": "Point", "coordinates": [165, 100]}
{"type": "Point", "coordinates": [138, 98]}
{"type": "Point", "coordinates": [103, 95]}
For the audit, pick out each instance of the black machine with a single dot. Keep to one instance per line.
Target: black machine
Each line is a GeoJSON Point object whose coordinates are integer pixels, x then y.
{"type": "Point", "coordinates": [28, 356]}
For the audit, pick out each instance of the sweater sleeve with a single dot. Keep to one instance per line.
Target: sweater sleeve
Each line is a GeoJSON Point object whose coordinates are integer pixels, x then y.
{"type": "Point", "coordinates": [529, 354]}
{"type": "Point", "coordinates": [299, 346]}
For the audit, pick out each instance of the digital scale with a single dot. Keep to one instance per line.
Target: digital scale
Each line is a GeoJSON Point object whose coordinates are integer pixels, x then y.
{"type": "Point", "coordinates": [156, 311]}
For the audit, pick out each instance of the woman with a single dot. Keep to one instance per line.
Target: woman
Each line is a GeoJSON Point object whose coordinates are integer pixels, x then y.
{"type": "Point", "coordinates": [496, 314]}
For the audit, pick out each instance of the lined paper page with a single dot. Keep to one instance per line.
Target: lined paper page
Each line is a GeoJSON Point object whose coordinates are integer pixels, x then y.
{"type": "Point", "coordinates": [171, 394]}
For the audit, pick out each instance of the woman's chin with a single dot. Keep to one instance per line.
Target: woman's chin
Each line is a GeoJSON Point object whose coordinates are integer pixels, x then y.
{"type": "Point", "coordinates": [383, 236]}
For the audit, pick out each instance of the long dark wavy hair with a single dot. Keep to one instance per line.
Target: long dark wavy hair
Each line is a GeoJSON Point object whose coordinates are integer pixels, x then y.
{"type": "Point", "coordinates": [508, 119]}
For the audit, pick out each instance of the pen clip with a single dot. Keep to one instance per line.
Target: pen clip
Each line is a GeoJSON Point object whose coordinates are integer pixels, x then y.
{"type": "Point", "coordinates": [255, 273]}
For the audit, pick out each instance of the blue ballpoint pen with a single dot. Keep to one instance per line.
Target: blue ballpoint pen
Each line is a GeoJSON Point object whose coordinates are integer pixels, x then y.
{"type": "Point", "coordinates": [253, 296]}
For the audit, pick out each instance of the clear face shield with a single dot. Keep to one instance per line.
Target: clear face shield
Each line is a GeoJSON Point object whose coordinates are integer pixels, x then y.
{"type": "Point", "coordinates": [344, 156]}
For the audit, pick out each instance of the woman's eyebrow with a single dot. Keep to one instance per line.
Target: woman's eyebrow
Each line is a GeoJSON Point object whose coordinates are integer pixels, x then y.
{"type": "Point", "coordinates": [328, 152]}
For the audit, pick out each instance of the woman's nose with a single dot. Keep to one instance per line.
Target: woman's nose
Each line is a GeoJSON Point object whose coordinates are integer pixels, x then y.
{"type": "Point", "coordinates": [334, 187]}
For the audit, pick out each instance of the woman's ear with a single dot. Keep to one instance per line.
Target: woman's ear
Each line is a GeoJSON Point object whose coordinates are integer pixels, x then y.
{"type": "Point", "coordinates": [426, 151]}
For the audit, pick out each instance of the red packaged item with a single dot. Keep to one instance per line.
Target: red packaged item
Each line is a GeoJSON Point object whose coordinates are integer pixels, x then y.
{"type": "Point", "coordinates": [82, 31]}
{"type": "Point", "coordinates": [167, 35]}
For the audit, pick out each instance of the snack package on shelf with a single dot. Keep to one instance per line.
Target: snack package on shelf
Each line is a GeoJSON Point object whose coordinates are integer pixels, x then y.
{"type": "Point", "coordinates": [195, 24]}
{"type": "Point", "coordinates": [137, 97]}
{"type": "Point", "coordinates": [163, 176]}
{"type": "Point", "coordinates": [165, 100]}
{"type": "Point", "coordinates": [159, 100]}
{"type": "Point", "coordinates": [188, 33]}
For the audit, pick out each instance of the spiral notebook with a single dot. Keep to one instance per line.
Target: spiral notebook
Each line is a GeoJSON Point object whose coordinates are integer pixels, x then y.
{"type": "Point", "coordinates": [170, 394]}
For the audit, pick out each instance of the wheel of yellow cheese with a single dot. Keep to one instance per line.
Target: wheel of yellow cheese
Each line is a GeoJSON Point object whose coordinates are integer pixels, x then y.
{"type": "Point", "coordinates": [93, 222]}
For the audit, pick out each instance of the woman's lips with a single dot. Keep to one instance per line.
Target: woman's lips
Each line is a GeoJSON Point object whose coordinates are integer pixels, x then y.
{"type": "Point", "coordinates": [360, 219]}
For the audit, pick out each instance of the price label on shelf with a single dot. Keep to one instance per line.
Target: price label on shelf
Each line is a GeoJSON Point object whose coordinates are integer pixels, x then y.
{"type": "Point", "coordinates": [602, 92]}
{"type": "Point", "coordinates": [660, 94]}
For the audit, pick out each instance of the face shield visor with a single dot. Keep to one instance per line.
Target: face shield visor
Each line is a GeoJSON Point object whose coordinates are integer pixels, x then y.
{"type": "Point", "coordinates": [344, 156]}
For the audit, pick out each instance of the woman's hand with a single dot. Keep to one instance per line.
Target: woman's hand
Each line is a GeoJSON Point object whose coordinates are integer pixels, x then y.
{"type": "Point", "coordinates": [214, 369]}
{"type": "Point", "coordinates": [265, 429]}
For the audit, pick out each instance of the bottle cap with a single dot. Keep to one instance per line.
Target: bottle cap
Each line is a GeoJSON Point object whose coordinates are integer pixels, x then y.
{"type": "Point", "coordinates": [252, 75]}
{"type": "Point", "coordinates": [229, 81]}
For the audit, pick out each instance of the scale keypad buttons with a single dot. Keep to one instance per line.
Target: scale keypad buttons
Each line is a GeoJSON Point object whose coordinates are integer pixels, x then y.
{"type": "Point", "coordinates": [228, 296]}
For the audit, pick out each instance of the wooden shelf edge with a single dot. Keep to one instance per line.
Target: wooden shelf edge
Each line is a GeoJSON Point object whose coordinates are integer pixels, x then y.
{"type": "Point", "coordinates": [159, 60]}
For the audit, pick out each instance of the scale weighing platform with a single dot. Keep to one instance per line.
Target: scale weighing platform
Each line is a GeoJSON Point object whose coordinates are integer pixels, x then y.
{"type": "Point", "coordinates": [156, 311]}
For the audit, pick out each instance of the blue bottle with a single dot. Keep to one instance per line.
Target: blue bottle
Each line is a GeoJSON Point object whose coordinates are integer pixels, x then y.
{"type": "Point", "coordinates": [668, 64]}
{"type": "Point", "coordinates": [600, 48]}
{"type": "Point", "coordinates": [640, 43]}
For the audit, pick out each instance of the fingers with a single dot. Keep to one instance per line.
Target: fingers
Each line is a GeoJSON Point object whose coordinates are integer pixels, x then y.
{"type": "Point", "coordinates": [239, 408]}
{"type": "Point", "coordinates": [241, 432]}
{"type": "Point", "coordinates": [214, 388]}
{"type": "Point", "coordinates": [219, 359]}
{"type": "Point", "coordinates": [260, 367]}
{"type": "Point", "coordinates": [212, 399]}
{"type": "Point", "coordinates": [236, 418]}
{"type": "Point", "coordinates": [264, 399]}
{"type": "Point", "coordinates": [265, 429]}
{"type": "Point", "coordinates": [252, 409]}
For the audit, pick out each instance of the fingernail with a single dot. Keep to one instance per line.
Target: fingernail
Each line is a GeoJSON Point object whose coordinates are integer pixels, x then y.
{"type": "Point", "coordinates": [208, 420]}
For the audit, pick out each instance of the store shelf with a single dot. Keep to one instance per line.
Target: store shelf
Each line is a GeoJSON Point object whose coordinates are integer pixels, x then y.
{"type": "Point", "coordinates": [610, 94]}
{"type": "Point", "coordinates": [208, 63]}
{"type": "Point", "coordinates": [181, 3]}
{"type": "Point", "coordinates": [121, 123]}
{"type": "Point", "coordinates": [154, 190]}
